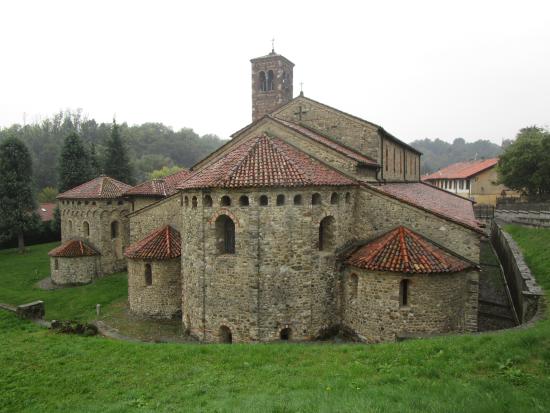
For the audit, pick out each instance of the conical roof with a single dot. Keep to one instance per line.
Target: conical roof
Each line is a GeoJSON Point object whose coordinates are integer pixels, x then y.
{"type": "Point", "coordinates": [402, 250]}
{"type": "Point", "coordinates": [162, 244]}
{"type": "Point", "coordinates": [73, 249]}
{"type": "Point", "coordinates": [264, 162]}
{"type": "Point", "coordinates": [98, 188]}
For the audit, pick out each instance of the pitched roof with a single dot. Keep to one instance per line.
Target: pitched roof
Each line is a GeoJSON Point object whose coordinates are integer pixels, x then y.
{"type": "Point", "coordinates": [162, 244]}
{"type": "Point", "coordinates": [45, 211]}
{"type": "Point", "coordinates": [160, 187]}
{"type": "Point", "coordinates": [264, 162]}
{"type": "Point", "coordinates": [462, 170]}
{"type": "Point", "coordinates": [402, 250]}
{"type": "Point", "coordinates": [73, 249]}
{"type": "Point", "coordinates": [449, 206]}
{"type": "Point", "coordinates": [338, 147]}
{"type": "Point", "coordinates": [102, 187]}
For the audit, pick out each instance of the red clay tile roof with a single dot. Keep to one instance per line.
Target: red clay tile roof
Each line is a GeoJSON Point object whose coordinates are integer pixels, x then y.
{"type": "Point", "coordinates": [338, 147]}
{"type": "Point", "coordinates": [402, 250]}
{"type": "Point", "coordinates": [160, 187]}
{"type": "Point", "coordinates": [263, 162]}
{"type": "Point", "coordinates": [73, 249]}
{"type": "Point", "coordinates": [162, 244]}
{"type": "Point", "coordinates": [45, 211]}
{"type": "Point", "coordinates": [462, 170]}
{"type": "Point", "coordinates": [449, 206]}
{"type": "Point", "coordinates": [98, 188]}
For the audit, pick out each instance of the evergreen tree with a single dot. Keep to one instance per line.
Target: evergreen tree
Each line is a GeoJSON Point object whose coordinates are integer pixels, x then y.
{"type": "Point", "coordinates": [94, 161]}
{"type": "Point", "coordinates": [74, 164]}
{"type": "Point", "coordinates": [17, 203]}
{"type": "Point", "coordinates": [117, 164]}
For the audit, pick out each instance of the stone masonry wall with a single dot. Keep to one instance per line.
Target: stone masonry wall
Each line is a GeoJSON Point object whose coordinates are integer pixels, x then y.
{"type": "Point", "coordinates": [146, 220]}
{"type": "Point", "coordinates": [162, 298]}
{"type": "Point", "coordinates": [266, 101]}
{"type": "Point", "coordinates": [376, 214]}
{"type": "Point", "coordinates": [437, 303]}
{"type": "Point", "coordinates": [399, 163]}
{"type": "Point", "coordinates": [71, 271]}
{"type": "Point", "coordinates": [277, 277]}
{"type": "Point", "coordinates": [99, 215]}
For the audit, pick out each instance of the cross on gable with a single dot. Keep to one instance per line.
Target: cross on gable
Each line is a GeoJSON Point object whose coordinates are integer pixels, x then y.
{"type": "Point", "coordinates": [300, 112]}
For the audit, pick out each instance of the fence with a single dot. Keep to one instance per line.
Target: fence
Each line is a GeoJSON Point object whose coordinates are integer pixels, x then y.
{"type": "Point", "coordinates": [484, 211]}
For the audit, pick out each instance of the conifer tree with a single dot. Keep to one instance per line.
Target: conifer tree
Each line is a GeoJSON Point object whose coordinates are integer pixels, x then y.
{"type": "Point", "coordinates": [74, 165]}
{"type": "Point", "coordinates": [17, 203]}
{"type": "Point", "coordinates": [94, 162]}
{"type": "Point", "coordinates": [117, 164]}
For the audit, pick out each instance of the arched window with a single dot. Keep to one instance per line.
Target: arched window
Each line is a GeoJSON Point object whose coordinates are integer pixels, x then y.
{"type": "Point", "coordinates": [70, 226]}
{"type": "Point", "coordinates": [264, 200]}
{"type": "Point", "coordinates": [186, 201]}
{"type": "Point", "coordinates": [86, 229]}
{"type": "Point", "coordinates": [316, 199]}
{"type": "Point", "coordinates": [404, 293]}
{"type": "Point", "coordinates": [270, 80]}
{"type": "Point", "coordinates": [148, 274]}
{"type": "Point", "coordinates": [207, 201]}
{"type": "Point", "coordinates": [298, 199]}
{"type": "Point", "coordinates": [225, 335]}
{"type": "Point", "coordinates": [326, 233]}
{"type": "Point", "coordinates": [226, 201]}
{"type": "Point", "coordinates": [353, 286]}
{"type": "Point", "coordinates": [280, 200]}
{"type": "Point", "coordinates": [56, 264]}
{"type": "Point", "coordinates": [121, 202]}
{"type": "Point", "coordinates": [114, 229]}
{"type": "Point", "coordinates": [263, 82]}
{"type": "Point", "coordinates": [348, 197]}
{"type": "Point", "coordinates": [285, 334]}
{"type": "Point", "coordinates": [194, 202]}
{"type": "Point", "coordinates": [334, 198]}
{"type": "Point", "coordinates": [225, 235]}
{"type": "Point", "coordinates": [243, 200]}
{"type": "Point", "coordinates": [285, 80]}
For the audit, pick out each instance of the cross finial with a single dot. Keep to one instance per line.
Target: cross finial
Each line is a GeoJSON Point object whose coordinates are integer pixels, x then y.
{"type": "Point", "coordinates": [273, 45]}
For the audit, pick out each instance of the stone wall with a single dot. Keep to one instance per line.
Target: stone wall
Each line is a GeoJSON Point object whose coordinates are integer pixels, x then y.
{"type": "Point", "coordinates": [74, 271]}
{"type": "Point", "coordinates": [91, 220]}
{"type": "Point", "coordinates": [437, 303]}
{"type": "Point", "coordinates": [162, 298]}
{"type": "Point", "coordinates": [526, 294]}
{"type": "Point", "coordinates": [164, 212]}
{"type": "Point", "coordinates": [139, 202]}
{"type": "Point", "coordinates": [376, 214]}
{"type": "Point", "coordinates": [277, 278]}
{"type": "Point", "coordinates": [398, 163]}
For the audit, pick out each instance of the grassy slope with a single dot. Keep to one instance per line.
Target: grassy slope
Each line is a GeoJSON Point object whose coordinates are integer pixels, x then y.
{"type": "Point", "coordinates": [507, 371]}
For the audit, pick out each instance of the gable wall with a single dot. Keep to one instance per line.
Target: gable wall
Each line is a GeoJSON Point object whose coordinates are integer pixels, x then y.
{"type": "Point", "coordinates": [397, 162]}
{"type": "Point", "coordinates": [164, 212]}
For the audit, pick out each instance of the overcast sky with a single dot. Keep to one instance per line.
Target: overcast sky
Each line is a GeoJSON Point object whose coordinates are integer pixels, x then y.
{"type": "Point", "coordinates": [437, 69]}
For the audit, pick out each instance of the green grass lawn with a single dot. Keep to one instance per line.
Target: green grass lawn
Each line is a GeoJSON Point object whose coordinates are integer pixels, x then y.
{"type": "Point", "coordinates": [497, 372]}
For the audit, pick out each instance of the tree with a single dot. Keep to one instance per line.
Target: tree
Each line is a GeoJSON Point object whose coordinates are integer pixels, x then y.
{"type": "Point", "coordinates": [47, 194]}
{"type": "Point", "coordinates": [95, 165]}
{"type": "Point", "coordinates": [17, 203]}
{"type": "Point", "coordinates": [74, 163]}
{"type": "Point", "coordinates": [117, 164]}
{"type": "Point", "coordinates": [525, 165]}
{"type": "Point", "coordinates": [164, 171]}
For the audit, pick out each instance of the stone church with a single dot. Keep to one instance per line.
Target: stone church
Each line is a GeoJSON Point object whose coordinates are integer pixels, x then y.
{"type": "Point", "coordinates": [308, 222]}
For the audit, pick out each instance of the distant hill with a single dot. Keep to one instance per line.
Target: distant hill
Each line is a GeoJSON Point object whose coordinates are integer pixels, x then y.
{"type": "Point", "coordinates": [437, 154]}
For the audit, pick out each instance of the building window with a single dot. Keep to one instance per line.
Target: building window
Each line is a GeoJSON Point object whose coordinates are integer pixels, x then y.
{"type": "Point", "coordinates": [226, 201]}
{"type": "Point", "coordinates": [348, 197]}
{"type": "Point", "coordinates": [114, 229]}
{"type": "Point", "coordinates": [404, 293]}
{"type": "Point", "coordinates": [326, 233]}
{"type": "Point", "coordinates": [467, 184]}
{"type": "Point", "coordinates": [148, 274]}
{"type": "Point", "coordinates": [386, 159]}
{"type": "Point", "coordinates": [56, 264]}
{"type": "Point", "coordinates": [298, 199]}
{"type": "Point", "coordinates": [280, 200]}
{"type": "Point", "coordinates": [270, 80]}
{"type": "Point", "coordinates": [225, 235]}
{"type": "Point", "coordinates": [70, 227]}
{"type": "Point", "coordinates": [264, 200]}
{"type": "Point", "coordinates": [186, 201]}
{"type": "Point", "coordinates": [316, 199]}
{"type": "Point", "coordinates": [225, 335]}
{"type": "Point", "coordinates": [243, 200]}
{"type": "Point", "coordinates": [285, 334]}
{"type": "Point", "coordinates": [194, 202]}
{"type": "Point", "coordinates": [461, 184]}
{"type": "Point", "coordinates": [334, 198]}
{"type": "Point", "coordinates": [353, 286]}
{"type": "Point", "coordinates": [86, 229]}
{"type": "Point", "coordinates": [263, 83]}
{"type": "Point", "coordinates": [208, 201]}
{"type": "Point", "coordinates": [120, 202]}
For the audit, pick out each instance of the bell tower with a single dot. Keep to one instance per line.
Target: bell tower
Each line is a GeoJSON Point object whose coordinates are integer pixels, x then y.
{"type": "Point", "coordinates": [271, 83]}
